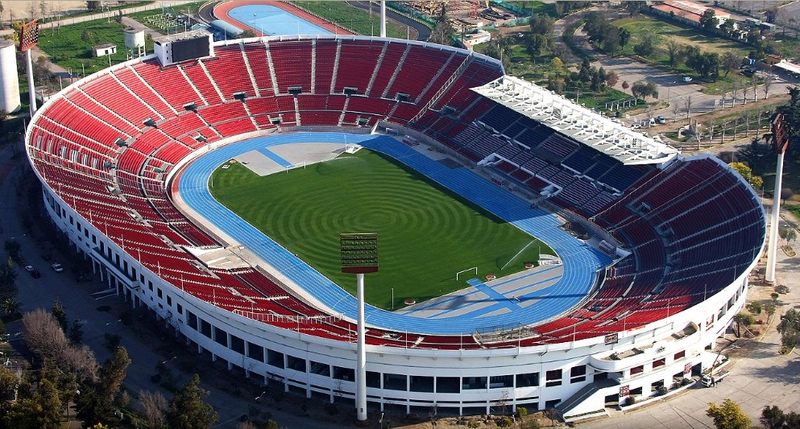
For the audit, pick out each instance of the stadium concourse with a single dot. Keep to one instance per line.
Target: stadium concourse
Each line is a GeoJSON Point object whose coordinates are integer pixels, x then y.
{"type": "Point", "coordinates": [656, 269]}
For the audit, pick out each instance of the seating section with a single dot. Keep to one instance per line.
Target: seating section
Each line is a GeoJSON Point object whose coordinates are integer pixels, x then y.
{"type": "Point", "coordinates": [686, 224]}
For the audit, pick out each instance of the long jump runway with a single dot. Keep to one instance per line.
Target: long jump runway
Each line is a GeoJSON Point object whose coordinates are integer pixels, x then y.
{"type": "Point", "coordinates": [542, 295]}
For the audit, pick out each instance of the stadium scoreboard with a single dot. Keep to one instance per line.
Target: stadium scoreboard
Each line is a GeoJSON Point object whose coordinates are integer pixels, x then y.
{"type": "Point", "coordinates": [186, 46]}
{"type": "Point", "coordinates": [359, 251]}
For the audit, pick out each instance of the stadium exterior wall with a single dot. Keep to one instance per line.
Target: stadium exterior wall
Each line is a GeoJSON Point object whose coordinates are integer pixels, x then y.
{"type": "Point", "coordinates": [413, 374]}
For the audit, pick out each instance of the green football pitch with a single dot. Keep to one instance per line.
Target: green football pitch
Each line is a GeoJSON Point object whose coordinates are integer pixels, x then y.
{"type": "Point", "coordinates": [426, 233]}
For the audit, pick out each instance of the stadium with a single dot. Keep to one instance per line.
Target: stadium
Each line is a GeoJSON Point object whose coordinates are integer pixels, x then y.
{"type": "Point", "coordinates": [641, 255]}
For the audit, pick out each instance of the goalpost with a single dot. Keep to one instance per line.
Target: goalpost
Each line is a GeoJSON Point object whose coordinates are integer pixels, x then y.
{"type": "Point", "coordinates": [467, 270]}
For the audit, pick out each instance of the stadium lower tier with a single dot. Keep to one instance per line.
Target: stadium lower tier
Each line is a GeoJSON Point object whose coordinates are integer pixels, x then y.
{"type": "Point", "coordinates": [684, 234]}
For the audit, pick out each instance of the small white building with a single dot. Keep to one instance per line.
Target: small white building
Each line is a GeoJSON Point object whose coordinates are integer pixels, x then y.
{"type": "Point", "coordinates": [476, 38]}
{"type": "Point", "coordinates": [104, 49]}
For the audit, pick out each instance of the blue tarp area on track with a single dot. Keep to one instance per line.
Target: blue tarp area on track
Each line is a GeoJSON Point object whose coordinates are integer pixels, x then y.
{"type": "Point", "coordinates": [581, 262]}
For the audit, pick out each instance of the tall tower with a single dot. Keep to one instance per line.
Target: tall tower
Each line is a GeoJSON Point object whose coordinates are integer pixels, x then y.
{"type": "Point", "coordinates": [9, 81]}
{"type": "Point", "coordinates": [383, 18]}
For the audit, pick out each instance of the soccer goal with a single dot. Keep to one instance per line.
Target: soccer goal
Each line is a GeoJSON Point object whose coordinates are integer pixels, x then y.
{"type": "Point", "coordinates": [467, 271]}
{"type": "Point", "coordinates": [351, 148]}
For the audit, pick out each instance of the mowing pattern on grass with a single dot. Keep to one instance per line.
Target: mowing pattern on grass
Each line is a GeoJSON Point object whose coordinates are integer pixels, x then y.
{"type": "Point", "coordinates": [425, 233]}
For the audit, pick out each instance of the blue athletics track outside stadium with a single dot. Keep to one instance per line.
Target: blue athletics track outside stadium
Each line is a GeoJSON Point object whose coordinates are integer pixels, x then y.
{"type": "Point", "coordinates": [274, 21]}
{"type": "Point", "coordinates": [581, 262]}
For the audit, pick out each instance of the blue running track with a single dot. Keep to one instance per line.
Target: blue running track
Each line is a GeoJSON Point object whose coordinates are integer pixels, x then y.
{"type": "Point", "coordinates": [581, 262]}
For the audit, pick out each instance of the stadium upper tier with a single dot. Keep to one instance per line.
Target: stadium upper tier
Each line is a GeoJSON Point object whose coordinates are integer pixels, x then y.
{"type": "Point", "coordinates": [108, 144]}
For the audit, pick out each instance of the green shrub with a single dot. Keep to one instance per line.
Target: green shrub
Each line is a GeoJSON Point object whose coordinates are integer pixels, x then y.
{"type": "Point", "coordinates": [630, 400]}
{"type": "Point", "coordinates": [662, 390]}
{"type": "Point", "coordinates": [505, 422]}
{"type": "Point", "coordinates": [522, 411]}
{"type": "Point", "coordinates": [473, 424]}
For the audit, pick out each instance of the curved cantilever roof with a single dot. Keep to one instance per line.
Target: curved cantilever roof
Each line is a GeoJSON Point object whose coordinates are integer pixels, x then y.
{"type": "Point", "coordinates": [577, 122]}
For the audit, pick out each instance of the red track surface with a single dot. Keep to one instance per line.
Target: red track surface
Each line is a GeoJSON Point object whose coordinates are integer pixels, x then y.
{"type": "Point", "coordinates": [221, 12]}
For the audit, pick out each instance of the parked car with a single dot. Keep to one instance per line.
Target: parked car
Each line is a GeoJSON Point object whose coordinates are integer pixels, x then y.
{"type": "Point", "coordinates": [33, 271]}
{"type": "Point", "coordinates": [687, 79]}
{"type": "Point", "coordinates": [57, 267]}
{"type": "Point", "coordinates": [661, 120]}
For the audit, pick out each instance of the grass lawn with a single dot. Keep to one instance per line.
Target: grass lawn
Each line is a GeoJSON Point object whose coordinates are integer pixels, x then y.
{"type": "Point", "coordinates": [352, 18]}
{"type": "Point", "coordinates": [642, 24]}
{"type": "Point", "coordinates": [66, 45]}
{"type": "Point", "coordinates": [426, 234]}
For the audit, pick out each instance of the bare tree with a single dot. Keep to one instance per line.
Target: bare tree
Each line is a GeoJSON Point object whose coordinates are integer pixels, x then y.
{"type": "Point", "coordinates": [687, 102]}
{"type": "Point", "coordinates": [767, 84]}
{"type": "Point", "coordinates": [43, 8]}
{"type": "Point", "coordinates": [32, 10]}
{"type": "Point", "coordinates": [754, 83]}
{"type": "Point", "coordinates": [735, 89]}
{"type": "Point", "coordinates": [44, 337]}
{"type": "Point", "coordinates": [154, 406]}
{"type": "Point", "coordinates": [675, 109]}
{"type": "Point", "coordinates": [42, 334]}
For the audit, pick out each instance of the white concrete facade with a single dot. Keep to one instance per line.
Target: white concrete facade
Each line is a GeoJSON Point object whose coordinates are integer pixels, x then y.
{"type": "Point", "coordinates": [409, 379]}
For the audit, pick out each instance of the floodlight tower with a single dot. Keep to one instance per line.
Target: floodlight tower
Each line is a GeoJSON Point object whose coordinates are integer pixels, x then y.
{"type": "Point", "coordinates": [28, 39]}
{"type": "Point", "coordinates": [780, 141]}
{"type": "Point", "coordinates": [383, 18]}
{"type": "Point", "coordinates": [360, 256]}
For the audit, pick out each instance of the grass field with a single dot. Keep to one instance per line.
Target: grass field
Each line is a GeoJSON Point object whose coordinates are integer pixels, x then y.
{"type": "Point", "coordinates": [426, 234]}
{"type": "Point", "coordinates": [352, 18]}
{"type": "Point", "coordinates": [70, 46]}
{"type": "Point", "coordinates": [642, 24]}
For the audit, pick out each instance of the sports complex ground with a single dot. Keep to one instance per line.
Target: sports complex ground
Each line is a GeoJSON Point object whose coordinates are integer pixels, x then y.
{"type": "Point", "coordinates": [427, 234]}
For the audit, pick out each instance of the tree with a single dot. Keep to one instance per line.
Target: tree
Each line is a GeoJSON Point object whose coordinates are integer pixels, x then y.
{"type": "Point", "coordinates": [187, 409]}
{"type": "Point", "coordinates": [743, 319]}
{"type": "Point", "coordinates": [113, 373]}
{"type": "Point", "coordinates": [42, 334]}
{"type": "Point", "coordinates": [625, 84]}
{"type": "Point", "coordinates": [154, 407]}
{"type": "Point", "coordinates": [727, 27]}
{"type": "Point", "coordinates": [728, 415]}
{"type": "Point", "coordinates": [675, 52]}
{"type": "Point", "coordinates": [10, 306]}
{"type": "Point", "coordinates": [624, 36]}
{"type": "Point", "coordinates": [769, 308]}
{"type": "Point", "coordinates": [646, 45]}
{"type": "Point", "coordinates": [644, 89]}
{"type": "Point", "coordinates": [57, 310]}
{"type": "Point", "coordinates": [12, 247]}
{"type": "Point", "coordinates": [612, 78]}
{"type": "Point", "coordinates": [687, 102]}
{"type": "Point", "coordinates": [8, 383]}
{"type": "Point", "coordinates": [443, 31]}
{"type": "Point", "coordinates": [790, 328]}
{"type": "Point", "coordinates": [754, 307]}
{"type": "Point", "coordinates": [541, 24]}
{"type": "Point", "coordinates": [772, 417]}
{"type": "Point", "coordinates": [708, 20]}
{"type": "Point", "coordinates": [585, 72]}
{"type": "Point", "coordinates": [246, 34]}
{"type": "Point", "coordinates": [729, 62]}
{"type": "Point", "coordinates": [767, 84]}
{"type": "Point", "coordinates": [76, 332]}
{"type": "Point", "coordinates": [757, 182]}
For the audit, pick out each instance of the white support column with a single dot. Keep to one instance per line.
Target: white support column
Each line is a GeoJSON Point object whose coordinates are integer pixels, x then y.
{"type": "Point", "coordinates": [361, 366]}
{"type": "Point", "coordinates": [772, 250]}
{"type": "Point", "coordinates": [383, 18]}
{"type": "Point", "coordinates": [31, 86]}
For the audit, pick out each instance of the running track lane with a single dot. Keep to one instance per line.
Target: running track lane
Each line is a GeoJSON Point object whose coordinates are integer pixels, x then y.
{"type": "Point", "coordinates": [581, 262]}
{"type": "Point", "coordinates": [221, 11]}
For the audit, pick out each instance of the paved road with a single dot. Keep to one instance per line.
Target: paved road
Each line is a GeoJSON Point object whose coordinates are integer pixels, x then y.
{"type": "Point", "coordinates": [763, 377]}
